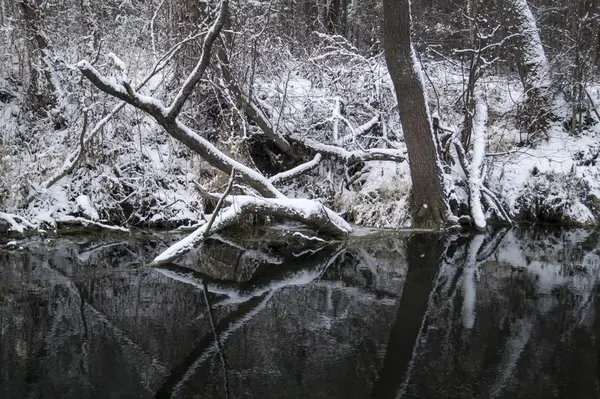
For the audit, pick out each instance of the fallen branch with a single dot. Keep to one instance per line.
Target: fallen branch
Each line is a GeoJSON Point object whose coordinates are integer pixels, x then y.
{"type": "Point", "coordinates": [85, 222]}
{"type": "Point", "coordinates": [309, 212]}
{"type": "Point", "coordinates": [17, 223]}
{"type": "Point", "coordinates": [349, 157]}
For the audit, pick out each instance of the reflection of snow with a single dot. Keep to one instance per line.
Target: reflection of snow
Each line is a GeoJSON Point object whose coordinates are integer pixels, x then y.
{"type": "Point", "coordinates": [512, 352]}
{"type": "Point", "coordinates": [468, 282]}
{"type": "Point", "coordinates": [508, 287]}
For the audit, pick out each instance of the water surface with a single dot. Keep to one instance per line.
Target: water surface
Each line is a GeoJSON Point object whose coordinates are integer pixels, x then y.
{"type": "Point", "coordinates": [508, 315]}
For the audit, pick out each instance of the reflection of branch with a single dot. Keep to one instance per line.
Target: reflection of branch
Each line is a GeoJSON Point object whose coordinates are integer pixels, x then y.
{"type": "Point", "coordinates": [468, 282]}
{"type": "Point", "coordinates": [492, 245]}
{"type": "Point", "coordinates": [248, 252]}
{"type": "Point", "coordinates": [182, 372]}
{"type": "Point", "coordinates": [253, 296]}
{"type": "Point", "coordinates": [120, 335]}
{"type": "Point", "coordinates": [309, 212]}
{"type": "Point", "coordinates": [242, 292]}
{"type": "Point", "coordinates": [211, 319]}
{"type": "Point", "coordinates": [512, 352]}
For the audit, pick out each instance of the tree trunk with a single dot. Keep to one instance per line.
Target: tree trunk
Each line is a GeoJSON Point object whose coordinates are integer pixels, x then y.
{"type": "Point", "coordinates": [533, 66]}
{"type": "Point", "coordinates": [429, 206]}
{"type": "Point", "coordinates": [40, 95]}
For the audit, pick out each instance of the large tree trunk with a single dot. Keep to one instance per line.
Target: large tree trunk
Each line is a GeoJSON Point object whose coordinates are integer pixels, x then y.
{"type": "Point", "coordinates": [32, 16]}
{"type": "Point", "coordinates": [533, 66]}
{"type": "Point", "coordinates": [429, 206]}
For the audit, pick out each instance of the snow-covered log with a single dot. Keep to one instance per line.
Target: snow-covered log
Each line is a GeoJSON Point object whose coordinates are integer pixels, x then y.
{"type": "Point", "coordinates": [309, 212]}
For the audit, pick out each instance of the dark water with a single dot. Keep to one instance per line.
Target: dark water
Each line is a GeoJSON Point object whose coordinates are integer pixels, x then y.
{"type": "Point", "coordinates": [509, 315]}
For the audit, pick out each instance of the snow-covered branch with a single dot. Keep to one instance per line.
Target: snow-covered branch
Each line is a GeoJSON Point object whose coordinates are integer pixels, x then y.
{"type": "Point", "coordinates": [297, 171]}
{"type": "Point", "coordinates": [350, 157]}
{"type": "Point", "coordinates": [475, 179]}
{"type": "Point", "coordinates": [16, 223]}
{"type": "Point", "coordinates": [181, 132]}
{"type": "Point", "coordinates": [309, 212]}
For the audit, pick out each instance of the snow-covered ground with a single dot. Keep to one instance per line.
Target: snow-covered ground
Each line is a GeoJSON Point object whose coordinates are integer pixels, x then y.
{"type": "Point", "coordinates": [133, 174]}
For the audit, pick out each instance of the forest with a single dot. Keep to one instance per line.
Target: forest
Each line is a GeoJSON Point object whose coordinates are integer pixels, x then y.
{"type": "Point", "coordinates": [207, 115]}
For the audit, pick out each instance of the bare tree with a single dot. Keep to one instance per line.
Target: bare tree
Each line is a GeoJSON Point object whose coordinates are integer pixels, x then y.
{"type": "Point", "coordinates": [429, 206]}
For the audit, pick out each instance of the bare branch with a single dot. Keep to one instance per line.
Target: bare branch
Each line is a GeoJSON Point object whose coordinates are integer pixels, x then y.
{"type": "Point", "coordinates": [188, 87]}
{"type": "Point", "coordinates": [220, 204]}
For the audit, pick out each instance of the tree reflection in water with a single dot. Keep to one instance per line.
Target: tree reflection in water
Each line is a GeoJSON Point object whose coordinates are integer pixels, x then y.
{"type": "Point", "coordinates": [510, 314]}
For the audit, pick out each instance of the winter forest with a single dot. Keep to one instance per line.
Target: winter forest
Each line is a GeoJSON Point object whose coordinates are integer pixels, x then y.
{"type": "Point", "coordinates": [203, 115]}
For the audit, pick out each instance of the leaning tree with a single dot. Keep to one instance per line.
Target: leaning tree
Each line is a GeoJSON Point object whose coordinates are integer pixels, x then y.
{"type": "Point", "coordinates": [429, 206]}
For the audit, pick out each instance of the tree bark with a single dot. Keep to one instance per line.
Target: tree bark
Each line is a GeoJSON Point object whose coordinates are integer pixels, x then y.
{"type": "Point", "coordinates": [429, 206]}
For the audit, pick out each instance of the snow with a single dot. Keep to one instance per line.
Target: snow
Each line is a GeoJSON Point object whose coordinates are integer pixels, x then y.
{"type": "Point", "coordinates": [533, 53]}
{"type": "Point", "coordinates": [336, 98]}
{"type": "Point", "coordinates": [120, 65]}
{"type": "Point", "coordinates": [85, 204]}
{"type": "Point", "coordinates": [85, 222]}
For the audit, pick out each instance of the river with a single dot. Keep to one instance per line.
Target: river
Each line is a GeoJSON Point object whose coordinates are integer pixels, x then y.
{"type": "Point", "coordinates": [511, 314]}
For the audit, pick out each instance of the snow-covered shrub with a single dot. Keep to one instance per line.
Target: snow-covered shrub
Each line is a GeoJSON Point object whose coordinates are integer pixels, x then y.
{"type": "Point", "coordinates": [555, 197]}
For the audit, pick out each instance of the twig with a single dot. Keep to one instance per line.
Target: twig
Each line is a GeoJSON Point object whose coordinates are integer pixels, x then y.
{"type": "Point", "coordinates": [219, 204]}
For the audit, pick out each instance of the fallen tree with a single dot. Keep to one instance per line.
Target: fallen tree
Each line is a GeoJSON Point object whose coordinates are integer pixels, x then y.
{"type": "Point", "coordinates": [270, 202]}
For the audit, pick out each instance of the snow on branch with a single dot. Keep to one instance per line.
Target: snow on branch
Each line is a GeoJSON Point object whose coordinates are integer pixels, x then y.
{"type": "Point", "coordinates": [181, 132]}
{"type": "Point", "coordinates": [298, 170]}
{"type": "Point", "coordinates": [16, 223]}
{"type": "Point", "coordinates": [74, 157]}
{"type": "Point", "coordinates": [309, 212]}
{"type": "Point", "coordinates": [85, 222]}
{"type": "Point", "coordinates": [350, 157]}
{"type": "Point", "coordinates": [474, 170]}
{"type": "Point", "coordinates": [123, 91]}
